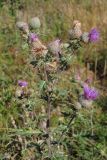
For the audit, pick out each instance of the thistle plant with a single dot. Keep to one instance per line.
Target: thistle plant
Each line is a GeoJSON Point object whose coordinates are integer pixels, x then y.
{"type": "Point", "coordinates": [50, 63]}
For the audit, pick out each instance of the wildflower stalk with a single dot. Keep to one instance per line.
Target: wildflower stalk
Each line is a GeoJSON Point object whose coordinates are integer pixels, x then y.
{"type": "Point", "coordinates": [55, 61]}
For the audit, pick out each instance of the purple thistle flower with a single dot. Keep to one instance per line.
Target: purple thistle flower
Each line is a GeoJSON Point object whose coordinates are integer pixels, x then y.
{"type": "Point", "coordinates": [22, 83]}
{"type": "Point", "coordinates": [90, 93]}
{"type": "Point", "coordinates": [33, 37]}
{"type": "Point", "coordinates": [94, 35]}
{"type": "Point", "coordinates": [57, 41]}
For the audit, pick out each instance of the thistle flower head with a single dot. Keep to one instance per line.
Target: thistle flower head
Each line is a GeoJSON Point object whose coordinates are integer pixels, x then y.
{"type": "Point", "coordinates": [23, 26]}
{"type": "Point", "coordinates": [94, 35]}
{"type": "Point", "coordinates": [90, 93]}
{"type": "Point", "coordinates": [22, 83]}
{"type": "Point", "coordinates": [33, 37]}
{"type": "Point", "coordinates": [57, 41]}
{"type": "Point", "coordinates": [54, 46]}
{"type": "Point", "coordinates": [20, 25]}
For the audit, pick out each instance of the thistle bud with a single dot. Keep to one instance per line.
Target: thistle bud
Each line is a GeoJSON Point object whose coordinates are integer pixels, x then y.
{"type": "Point", "coordinates": [85, 37]}
{"type": "Point", "coordinates": [86, 103]}
{"type": "Point", "coordinates": [76, 23]}
{"type": "Point", "coordinates": [78, 105]}
{"type": "Point", "coordinates": [35, 23]}
{"type": "Point", "coordinates": [65, 45]}
{"type": "Point", "coordinates": [19, 93]}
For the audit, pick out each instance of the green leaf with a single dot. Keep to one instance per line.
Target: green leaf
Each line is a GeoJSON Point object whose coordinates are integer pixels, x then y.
{"type": "Point", "coordinates": [42, 85]}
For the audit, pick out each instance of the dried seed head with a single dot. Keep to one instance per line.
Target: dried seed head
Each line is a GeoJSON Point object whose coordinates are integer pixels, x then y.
{"type": "Point", "coordinates": [75, 33]}
{"type": "Point", "coordinates": [55, 47]}
{"type": "Point", "coordinates": [51, 67]}
{"type": "Point", "coordinates": [38, 49]}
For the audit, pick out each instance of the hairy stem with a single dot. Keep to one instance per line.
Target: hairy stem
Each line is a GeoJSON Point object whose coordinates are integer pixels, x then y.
{"type": "Point", "coordinates": [48, 116]}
